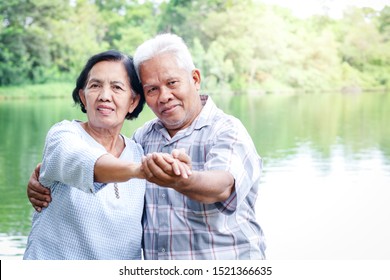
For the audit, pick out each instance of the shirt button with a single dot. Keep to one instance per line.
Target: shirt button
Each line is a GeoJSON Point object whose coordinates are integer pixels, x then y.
{"type": "Point", "coordinates": [163, 250]}
{"type": "Point", "coordinates": [163, 195]}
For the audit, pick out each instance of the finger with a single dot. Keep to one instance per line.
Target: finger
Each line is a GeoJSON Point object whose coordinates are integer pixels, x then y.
{"type": "Point", "coordinates": [182, 156]}
{"type": "Point", "coordinates": [33, 183]}
{"type": "Point", "coordinates": [36, 187]}
{"type": "Point", "coordinates": [37, 170]}
{"type": "Point", "coordinates": [160, 176]}
{"type": "Point", "coordinates": [43, 199]}
{"type": "Point", "coordinates": [177, 152]}
{"type": "Point", "coordinates": [36, 190]}
{"type": "Point", "coordinates": [176, 168]}
{"type": "Point", "coordinates": [168, 158]}
{"type": "Point", "coordinates": [172, 166]}
{"type": "Point", "coordinates": [169, 166]}
{"type": "Point", "coordinates": [153, 170]}
{"type": "Point", "coordinates": [187, 169]}
{"type": "Point", "coordinates": [183, 171]}
{"type": "Point", "coordinates": [38, 203]}
{"type": "Point", "coordinates": [163, 166]}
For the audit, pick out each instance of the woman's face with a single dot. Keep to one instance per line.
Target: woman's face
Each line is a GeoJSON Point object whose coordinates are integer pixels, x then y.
{"type": "Point", "coordinates": [107, 95]}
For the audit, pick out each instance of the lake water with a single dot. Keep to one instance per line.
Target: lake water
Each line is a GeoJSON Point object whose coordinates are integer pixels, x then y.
{"type": "Point", "coordinates": [325, 192]}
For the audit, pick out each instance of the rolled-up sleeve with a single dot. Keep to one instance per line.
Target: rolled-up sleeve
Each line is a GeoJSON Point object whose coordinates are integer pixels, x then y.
{"type": "Point", "coordinates": [234, 152]}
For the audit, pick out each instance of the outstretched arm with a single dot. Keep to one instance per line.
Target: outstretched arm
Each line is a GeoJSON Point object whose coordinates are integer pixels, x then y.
{"type": "Point", "coordinates": [107, 169]}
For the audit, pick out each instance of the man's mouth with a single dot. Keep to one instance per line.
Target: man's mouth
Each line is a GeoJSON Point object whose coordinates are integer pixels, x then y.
{"type": "Point", "coordinates": [168, 110]}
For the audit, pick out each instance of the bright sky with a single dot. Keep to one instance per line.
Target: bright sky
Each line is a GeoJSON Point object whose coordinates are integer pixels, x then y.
{"type": "Point", "coordinates": [305, 8]}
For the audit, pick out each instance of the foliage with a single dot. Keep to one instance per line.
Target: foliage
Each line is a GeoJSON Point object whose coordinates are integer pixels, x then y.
{"type": "Point", "coordinates": [238, 45]}
{"type": "Point", "coordinates": [37, 91]}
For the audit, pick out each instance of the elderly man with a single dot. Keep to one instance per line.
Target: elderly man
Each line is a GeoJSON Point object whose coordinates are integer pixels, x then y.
{"type": "Point", "coordinates": [210, 214]}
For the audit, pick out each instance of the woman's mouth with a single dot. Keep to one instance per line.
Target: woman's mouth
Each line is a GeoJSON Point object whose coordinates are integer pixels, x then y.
{"type": "Point", "coordinates": [105, 110]}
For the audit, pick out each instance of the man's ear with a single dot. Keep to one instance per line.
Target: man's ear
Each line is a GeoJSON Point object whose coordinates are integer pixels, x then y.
{"type": "Point", "coordinates": [196, 78]}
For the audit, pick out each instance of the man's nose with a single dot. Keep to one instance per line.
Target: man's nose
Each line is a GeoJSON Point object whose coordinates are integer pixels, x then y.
{"type": "Point", "coordinates": [165, 94]}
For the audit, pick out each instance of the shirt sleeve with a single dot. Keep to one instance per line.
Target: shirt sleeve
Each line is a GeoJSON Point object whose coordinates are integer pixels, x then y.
{"type": "Point", "coordinates": [69, 159]}
{"type": "Point", "coordinates": [233, 151]}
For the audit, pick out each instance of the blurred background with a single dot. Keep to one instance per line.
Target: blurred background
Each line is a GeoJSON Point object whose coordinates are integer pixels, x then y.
{"type": "Point", "coordinates": [309, 80]}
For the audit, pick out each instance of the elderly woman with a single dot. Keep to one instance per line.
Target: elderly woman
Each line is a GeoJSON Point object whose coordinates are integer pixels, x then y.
{"type": "Point", "coordinates": [93, 172]}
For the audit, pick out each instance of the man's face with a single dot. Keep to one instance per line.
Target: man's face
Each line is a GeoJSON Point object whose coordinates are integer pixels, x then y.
{"type": "Point", "coordinates": [171, 92]}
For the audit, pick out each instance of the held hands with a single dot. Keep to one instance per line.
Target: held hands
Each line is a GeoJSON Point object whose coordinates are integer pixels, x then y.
{"type": "Point", "coordinates": [167, 170]}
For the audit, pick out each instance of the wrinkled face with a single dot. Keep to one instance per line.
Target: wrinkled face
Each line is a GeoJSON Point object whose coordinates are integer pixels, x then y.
{"type": "Point", "coordinates": [107, 95]}
{"type": "Point", "coordinates": [171, 92]}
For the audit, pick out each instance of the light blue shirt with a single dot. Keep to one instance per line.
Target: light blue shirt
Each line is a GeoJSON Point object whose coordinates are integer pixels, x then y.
{"type": "Point", "coordinates": [85, 220]}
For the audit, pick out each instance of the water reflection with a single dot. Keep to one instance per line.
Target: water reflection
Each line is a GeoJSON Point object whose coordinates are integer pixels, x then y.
{"type": "Point", "coordinates": [332, 209]}
{"type": "Point", "coordinates": [325, 190]}
{"type": "Point", "coordinates": [12, 247]}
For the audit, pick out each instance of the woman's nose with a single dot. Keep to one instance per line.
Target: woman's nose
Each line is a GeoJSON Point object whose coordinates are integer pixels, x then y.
{"type": "Point", "coordinates": [106, 94]}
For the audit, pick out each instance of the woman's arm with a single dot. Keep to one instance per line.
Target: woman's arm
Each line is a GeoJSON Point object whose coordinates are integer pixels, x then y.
{"type": "Point", "coordinates": [111, 169]}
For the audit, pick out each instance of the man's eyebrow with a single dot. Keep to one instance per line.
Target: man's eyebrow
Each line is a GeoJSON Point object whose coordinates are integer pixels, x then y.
{"type": "Point", "coordinates": [147, 85]}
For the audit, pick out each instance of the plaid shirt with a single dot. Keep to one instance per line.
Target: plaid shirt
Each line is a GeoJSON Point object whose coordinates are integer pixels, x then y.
{"type": "Point", "coordinates": [176, 227]}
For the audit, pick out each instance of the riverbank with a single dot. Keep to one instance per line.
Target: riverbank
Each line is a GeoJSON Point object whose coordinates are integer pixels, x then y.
{"type": "Point", "coordinates": [49, 90]}
{"type": "Point", "coordinates": [64, 90]}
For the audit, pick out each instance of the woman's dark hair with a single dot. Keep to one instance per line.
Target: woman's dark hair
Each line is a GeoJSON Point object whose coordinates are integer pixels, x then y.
{"type": "Point", "coordinates": [111, 55]}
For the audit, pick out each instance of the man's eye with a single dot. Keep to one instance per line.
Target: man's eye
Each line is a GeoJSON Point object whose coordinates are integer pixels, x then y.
{"type": "Point", "coordinates": [151, 90]}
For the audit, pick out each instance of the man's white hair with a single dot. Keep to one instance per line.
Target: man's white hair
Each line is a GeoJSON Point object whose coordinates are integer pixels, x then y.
{"type": "Point", "coordinates": [162, 44]}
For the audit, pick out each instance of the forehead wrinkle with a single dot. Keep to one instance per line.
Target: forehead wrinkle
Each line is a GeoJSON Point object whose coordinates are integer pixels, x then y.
{"type": "Point", "coordinates": [118, 82]}
{"type": "Point", "coordinates": [94, 80]}
{"type": "Point", "coordinates": [102, 81]}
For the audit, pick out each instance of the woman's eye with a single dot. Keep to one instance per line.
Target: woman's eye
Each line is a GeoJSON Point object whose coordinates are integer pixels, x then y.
{"type": "Point", "coordinates": [93, 86]}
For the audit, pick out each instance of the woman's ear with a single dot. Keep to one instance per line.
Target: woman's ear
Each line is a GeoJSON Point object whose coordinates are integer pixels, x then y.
{"type": "Point", "coordinates": [134, 103]}
{"type": "Point", "coordinates": [82, 97]}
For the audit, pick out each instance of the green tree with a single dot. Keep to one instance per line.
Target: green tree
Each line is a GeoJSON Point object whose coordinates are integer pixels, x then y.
{"type": "Point", "coordinates": [25, 39]}
{"type": "Point", "coordinates": [365, 49]}
{"type": "Point", "coordinates": [239, 45]}
{"type": "Point", "coordinates": [75, 38]}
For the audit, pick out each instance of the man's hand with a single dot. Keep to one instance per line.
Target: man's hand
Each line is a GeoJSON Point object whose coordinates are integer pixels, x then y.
{"type": "Point", "coordinates": [167, 170]}
{"type": "Point", "coordinates": [181, 155]}
{"type": "Point", "coordinates": [38, 195]}
{"type": "Point", "coordinates": [207, 186]}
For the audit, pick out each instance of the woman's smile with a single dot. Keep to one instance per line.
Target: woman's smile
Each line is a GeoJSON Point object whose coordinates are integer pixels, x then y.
{"type": "Point", "coordinates": [105, 110]}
